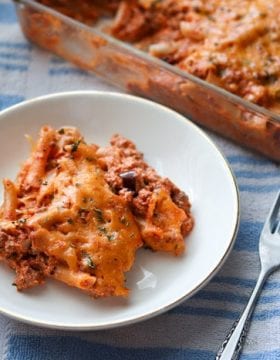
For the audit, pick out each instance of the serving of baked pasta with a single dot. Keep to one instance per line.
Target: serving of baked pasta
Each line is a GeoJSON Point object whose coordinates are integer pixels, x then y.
{"type": "Point", "coordinates": [78, 213]}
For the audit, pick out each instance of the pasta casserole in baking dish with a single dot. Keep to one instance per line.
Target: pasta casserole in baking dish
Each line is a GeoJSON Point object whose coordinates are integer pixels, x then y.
{"type": "Point", "coordinates": [215, 61]}
{"type": "Point", "coordinates": [234, 44]}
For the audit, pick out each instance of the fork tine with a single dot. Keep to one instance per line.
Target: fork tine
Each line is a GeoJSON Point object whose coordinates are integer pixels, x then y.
{"type": "Point", "coordinates": [268, 225]}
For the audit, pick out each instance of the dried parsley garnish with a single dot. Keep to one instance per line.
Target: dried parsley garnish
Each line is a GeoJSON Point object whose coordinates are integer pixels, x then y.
{"type": "Point", "coordinates": [21, 221]}
{"type": "Point", "coordinates": [110, 237]}
{"type": "Point", "coordinates": [75, 145]}
{"type": "Point", "coordinates": [102, 229]}
{"type": "Point", "coordinates": [89, 261]}
{"type": "Point", "coordinates": [99, 214]}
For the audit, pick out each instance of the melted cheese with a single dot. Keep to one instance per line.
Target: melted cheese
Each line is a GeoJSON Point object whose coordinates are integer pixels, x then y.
{"type": "Point", "coordinates": [73, 216]}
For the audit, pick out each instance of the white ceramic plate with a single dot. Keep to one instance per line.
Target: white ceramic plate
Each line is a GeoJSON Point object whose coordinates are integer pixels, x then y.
{"type": "Point", "coordinates": [177, 149]}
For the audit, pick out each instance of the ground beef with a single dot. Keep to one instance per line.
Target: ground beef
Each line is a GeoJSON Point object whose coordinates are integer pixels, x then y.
{"type": "Point", "coordinates": [132, 178]}
{"type": "Point", "coordinates": [123, 157]}
{"type": "Point", "coordinates": [31, 268]}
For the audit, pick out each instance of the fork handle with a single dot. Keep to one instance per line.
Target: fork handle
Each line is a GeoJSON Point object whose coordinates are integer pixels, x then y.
{"type": "Point", "coordinates": [233, 342]}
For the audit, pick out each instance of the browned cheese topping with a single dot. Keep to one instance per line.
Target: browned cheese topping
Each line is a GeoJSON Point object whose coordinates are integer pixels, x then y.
{"type": "Point", "coordinates": [78, 213]}
{"type": "Point", "coordinates": [234, 44]}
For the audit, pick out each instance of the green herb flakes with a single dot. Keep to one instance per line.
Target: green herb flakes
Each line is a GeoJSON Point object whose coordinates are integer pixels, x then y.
{"type": "Point", "coordinates": [99, 214]}
{"type": "Point", "coordinates": [21, 221]}
{"type": "Point", "coordinates": [89, 261]}
{"type": "Point", "coordinates": [75, 146]}
{"type": "Point", "coordinates": [111, 237]}
{"type": "Point", "coordinates": [102, 229]}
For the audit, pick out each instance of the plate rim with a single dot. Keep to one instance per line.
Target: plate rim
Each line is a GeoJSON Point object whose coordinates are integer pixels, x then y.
{"type": "Point", "coordinates": [132, 319]}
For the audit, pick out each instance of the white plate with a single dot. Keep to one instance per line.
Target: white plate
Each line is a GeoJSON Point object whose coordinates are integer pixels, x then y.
{"type": "Point", "coordinates": [177, 149]}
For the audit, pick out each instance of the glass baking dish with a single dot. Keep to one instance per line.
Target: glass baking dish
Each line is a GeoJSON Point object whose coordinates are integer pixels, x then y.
{"type": "Point", "coordinates": [133, 70]}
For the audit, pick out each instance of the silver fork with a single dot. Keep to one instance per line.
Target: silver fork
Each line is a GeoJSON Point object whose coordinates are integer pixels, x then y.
{"type": "Point", "coordinates": [269, 252]}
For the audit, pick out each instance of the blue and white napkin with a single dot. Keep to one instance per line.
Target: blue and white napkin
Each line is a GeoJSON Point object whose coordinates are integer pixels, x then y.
{"type": "Point", "coordinates": [193, 330]}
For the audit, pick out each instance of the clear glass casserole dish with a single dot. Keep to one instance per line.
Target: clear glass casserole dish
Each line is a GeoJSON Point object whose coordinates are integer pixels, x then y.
{"type": "Point", "coordinates": [123, 65]}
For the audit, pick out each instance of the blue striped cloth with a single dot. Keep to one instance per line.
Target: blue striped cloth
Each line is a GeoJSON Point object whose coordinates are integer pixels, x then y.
{"type": "Point", "coordinates": [193, 330]}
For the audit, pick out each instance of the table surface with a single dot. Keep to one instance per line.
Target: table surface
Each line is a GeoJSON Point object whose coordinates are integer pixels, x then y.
{"type": "Point", "coordinates": [198, 326]}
